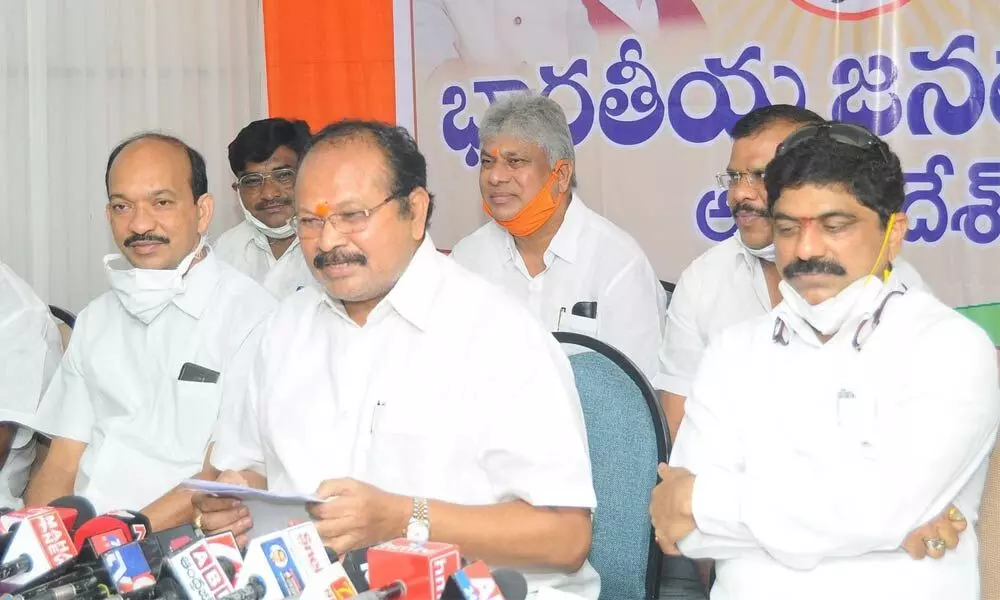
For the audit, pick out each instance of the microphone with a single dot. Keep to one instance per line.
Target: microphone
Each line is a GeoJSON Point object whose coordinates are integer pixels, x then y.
{"type": "Point", "coordinates": [475, 582]}
{"type": "Point", "coordinates": [285, 561]}
{"type": "Point", "coordinates": [128, 568]}
{"type": "Point", "coordinates": [199, 573]}
{"type": "Point", "coordinates": [423, 567]}
{"type": "Point", "coordinates": [40, 544]}
{"type": "Point", "coordinates": [223, 546]}
{"type": "Point", "coordinates": [72, 510]}
{"type": "Point", "coordinates": [104, 533]}
{"type": "Point", "coordinates": [83, 508]}
{"type": "Point", "coordinates": [332, 583]}
{"type": "Point", "coordinates": [355, 563]}
{"type": "Point", "coordinates": [138, 523]}
{"type": "Point", "coordinates": [393, 591]}
{"type": "Point", "coordinates": [162, 543]}
{"type": "Point", "coordinates": [255, 589]}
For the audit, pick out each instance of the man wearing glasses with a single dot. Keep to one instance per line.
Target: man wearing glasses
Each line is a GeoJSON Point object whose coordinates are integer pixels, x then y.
{"type": "Point", "coordinates": [423, 400]}
{"type": "Point", "coordinates": [816, 438]}
{"type": "Point", "coordinates": [264, 158]}
{"type": "Point", "coordinates": [736, 280]}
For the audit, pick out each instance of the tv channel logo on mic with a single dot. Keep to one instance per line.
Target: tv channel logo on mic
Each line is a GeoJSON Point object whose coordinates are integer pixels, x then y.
{"type": "Point", "coordinates": [128, 568]}
{"type": "Point", "coordinates": [282, 564]}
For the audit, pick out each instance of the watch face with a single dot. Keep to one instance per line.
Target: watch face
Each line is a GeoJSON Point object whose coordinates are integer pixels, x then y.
{"type": "Point", "coordinates": [417, 532]}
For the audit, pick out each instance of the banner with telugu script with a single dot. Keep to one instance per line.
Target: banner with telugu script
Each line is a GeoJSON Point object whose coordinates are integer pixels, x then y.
{"type": "Point", "coordinates": [652, 88]}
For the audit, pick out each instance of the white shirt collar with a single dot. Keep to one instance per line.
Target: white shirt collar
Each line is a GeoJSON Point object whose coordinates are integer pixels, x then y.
{"type": "Point", "coordinates": [787, 323]}
{"type": "Point", "coordinates": [261, 241]}
{"type": "Point", "coordinates": [565, 243]}
{"type": "Point", "coordinates": [412, 297]}
{"type": "Point", "coordinates": [199, 283]}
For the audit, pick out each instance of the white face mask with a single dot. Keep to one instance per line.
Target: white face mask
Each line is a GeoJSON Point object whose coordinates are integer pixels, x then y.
{"type": "Point", "coordinates": [275, 233]}
{"type": "Point", "coordinates": [829, 316]}
{"type": "Point", "coordinates": [767, 253]}
{"type": "Point", "coordinates": [146, 292]}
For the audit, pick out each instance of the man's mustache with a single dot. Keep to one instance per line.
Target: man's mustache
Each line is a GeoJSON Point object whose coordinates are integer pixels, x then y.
{"type": "Point", "coordinates": [748, 208]}
{"type": "Point", "coordinates": [144, 237]}
{"type": "Point", "coordinates": [337, 257]}
{"type": "Point", "coordinates": [813, 266]}
{"type": "Point", "coordinates": [272, 202]}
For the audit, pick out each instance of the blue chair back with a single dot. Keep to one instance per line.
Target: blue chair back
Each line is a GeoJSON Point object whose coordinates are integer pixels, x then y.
{"type": "Point", "coordinates": [626, 431]}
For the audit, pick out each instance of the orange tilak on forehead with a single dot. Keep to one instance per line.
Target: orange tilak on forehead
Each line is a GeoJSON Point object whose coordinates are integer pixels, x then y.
{"type": "Point", "coordinates": [322, 210]}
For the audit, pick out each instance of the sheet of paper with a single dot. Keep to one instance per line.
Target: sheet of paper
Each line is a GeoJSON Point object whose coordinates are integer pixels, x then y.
{"type": "Point", "coordinates": [242, 492]}
{"type": "Point", "coordinates": [270, 511]}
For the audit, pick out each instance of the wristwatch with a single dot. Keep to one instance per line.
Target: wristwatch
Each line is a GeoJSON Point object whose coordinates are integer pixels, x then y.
{"type": "Point", "coordinates": [419, 527]}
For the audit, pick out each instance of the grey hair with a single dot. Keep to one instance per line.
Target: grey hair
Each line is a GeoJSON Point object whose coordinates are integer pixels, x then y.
{"type": "Point", "coordinates": [533, 118]}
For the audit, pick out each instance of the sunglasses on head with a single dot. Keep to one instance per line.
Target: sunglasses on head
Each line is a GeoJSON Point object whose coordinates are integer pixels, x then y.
{"type": "Point", "coordinates": [843, 133]}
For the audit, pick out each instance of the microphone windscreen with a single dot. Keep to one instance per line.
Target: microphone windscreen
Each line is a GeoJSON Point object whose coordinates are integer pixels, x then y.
{"type": "Point", "coordinates": [84, 509]}
{"type": "Point", "coordinates": [112, 531]}
{"type": "Point", "coordinates": [512, 584]}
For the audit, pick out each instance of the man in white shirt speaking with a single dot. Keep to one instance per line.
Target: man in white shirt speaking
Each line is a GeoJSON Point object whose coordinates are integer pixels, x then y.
{"type": "Point", "coordinates": [133, 406]}
{"type": "Point", "coordinates": [421, 398]}
{"type": "Point", "coordinates": [817, 437]}
{"type": "Point", "coordinates": [30, 347]}
{"type": "Point", "coordinates": [574, 269]}
{"type": "Point", "coordinates": [264, 157]}
{"type": "Point", "coordinates": [736, 279]}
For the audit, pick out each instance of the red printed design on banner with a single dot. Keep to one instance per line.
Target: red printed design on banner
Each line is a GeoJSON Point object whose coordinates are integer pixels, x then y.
{"type": "Point", "coordinates": [850, 10]}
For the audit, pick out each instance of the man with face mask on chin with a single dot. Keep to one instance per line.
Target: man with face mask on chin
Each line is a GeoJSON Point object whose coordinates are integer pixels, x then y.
{"type": "Point", "coordinates": [264, 158]}
{"type": "Point", "coordinates": [574, 269]}
{"type": "Point", "coordinates": [133, 407]}
{"type": "Point", "coordinates": [818, 436]}
{"type": "Point", "coordinates": [419, 399]}
{"type": "Point", "coordinates": [735, 280]}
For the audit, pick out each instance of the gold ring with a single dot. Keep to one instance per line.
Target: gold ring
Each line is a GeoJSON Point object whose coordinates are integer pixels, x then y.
{"type": "Point", "coordinates": [934, 544]}
{"type": "Point", "coordinates": [955, 515]}
{"type": "Point", "coordinates": [197, 520]}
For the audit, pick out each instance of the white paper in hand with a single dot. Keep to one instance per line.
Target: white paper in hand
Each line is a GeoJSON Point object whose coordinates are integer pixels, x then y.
{"type": "Point", "coordinates": [270, 511]}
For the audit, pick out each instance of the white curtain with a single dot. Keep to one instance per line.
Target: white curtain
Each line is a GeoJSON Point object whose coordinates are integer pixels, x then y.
{"type": "Point", "coordinates": [77, 77]}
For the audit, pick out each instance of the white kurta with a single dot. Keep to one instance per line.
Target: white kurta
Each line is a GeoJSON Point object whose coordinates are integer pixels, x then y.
{"type": "Point", "coordinates": [814, 461]}
{"type": "Point", "coordinates": [246, 249]}
{"type": "Point", "coordinates": [118, 389]}
{"type": "Point", "coordinates": [590, 259]}
{"type": "Point", "coordinates": [30, 348]}
{"type": "Point", "coordinates": [450, 391]}
{"type": "Point", "coordinates": [722, 287]}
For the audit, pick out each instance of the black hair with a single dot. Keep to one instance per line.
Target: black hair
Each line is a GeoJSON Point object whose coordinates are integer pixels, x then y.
{"type": "Point", "coordinates": [873, 175]}
{"type": "Point", "coordinates": [199, 174]}
{"type": "Point", "coordinates": [761, 118]}
{"type": "Point", "coordinates": [407, 166]}
{"type": "Point", "coordinates": [259, 140]}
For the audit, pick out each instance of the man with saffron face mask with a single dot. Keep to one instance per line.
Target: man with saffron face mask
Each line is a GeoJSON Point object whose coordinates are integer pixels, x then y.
{"type": "Point", "coordinates": [133, 406]}
{"type": "Point", "coordinates": [814, 440]}
{"type": "Point", "coordinates": [264, 158]}
{"type": "Point", "coordinates": [574, 269]}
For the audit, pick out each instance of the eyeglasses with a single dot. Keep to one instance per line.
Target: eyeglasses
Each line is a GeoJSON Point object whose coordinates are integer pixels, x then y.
{"type": "Point", "coordinates": [355, 221]}
{"type": "Point", "coordinates": [844, 133]}
{"type": "Point", "coordinates": [255, 181]}
{"type": "Point", "coordinates": [731, 179]}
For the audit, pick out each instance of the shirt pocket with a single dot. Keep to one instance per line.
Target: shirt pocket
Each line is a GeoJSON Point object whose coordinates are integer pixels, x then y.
{"type": "Point", "coordinates": [857, 414]}
{"type": "Point", "coordinates": [197, 412]}
{"type": "Point", "coordinates": [577, 324]}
